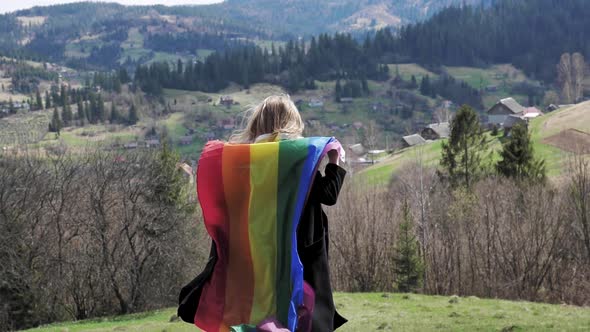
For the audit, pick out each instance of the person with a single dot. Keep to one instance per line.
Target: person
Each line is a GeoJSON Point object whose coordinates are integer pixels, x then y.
{"type": "Point", "coordinates": [278, 116]}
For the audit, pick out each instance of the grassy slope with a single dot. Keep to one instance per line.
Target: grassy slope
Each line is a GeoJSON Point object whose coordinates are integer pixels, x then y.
{"type": "Point", "coordinates": [390, 312]}
{"type": "Point", "coordinates": [577, 117]}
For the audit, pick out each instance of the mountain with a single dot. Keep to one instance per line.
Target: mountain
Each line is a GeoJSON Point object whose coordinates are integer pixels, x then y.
{"type": "Point", "coordinates": [106, 35]}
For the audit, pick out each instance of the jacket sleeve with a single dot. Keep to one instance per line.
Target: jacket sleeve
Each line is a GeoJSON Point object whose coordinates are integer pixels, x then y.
{"type": "Point", "coordinates": [326, 188]}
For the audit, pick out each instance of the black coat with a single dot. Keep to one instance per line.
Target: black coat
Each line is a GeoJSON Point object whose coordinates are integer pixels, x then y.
{"type": "Point", "coordinates": [312, 243]}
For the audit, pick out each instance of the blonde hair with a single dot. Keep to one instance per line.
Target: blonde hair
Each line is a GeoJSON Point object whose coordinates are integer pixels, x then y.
{"type": "Point", "coordinates": [274, 115]}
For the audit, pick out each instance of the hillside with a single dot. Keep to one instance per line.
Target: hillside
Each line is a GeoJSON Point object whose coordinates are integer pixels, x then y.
{"type": "Point", "coordinates": [92, 35]}
{"type": "Point", "coordinates": [388, 312]}
{"type": "Point", "coordinates": [554, 136]}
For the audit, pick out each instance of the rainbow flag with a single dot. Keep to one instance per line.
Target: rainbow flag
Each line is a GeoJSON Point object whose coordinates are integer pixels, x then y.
{"type": "Point", "coordinates": [252, 196]}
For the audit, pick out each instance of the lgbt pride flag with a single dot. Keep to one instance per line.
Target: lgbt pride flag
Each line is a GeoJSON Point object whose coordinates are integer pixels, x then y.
{"type": "Point", "coordinates": [252, 196]}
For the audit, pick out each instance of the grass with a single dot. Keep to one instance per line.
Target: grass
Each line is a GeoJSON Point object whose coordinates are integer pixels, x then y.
{"type": "Point", "coordinates": [389, 312]}
{"type": "Point", "coordinates": [503, 76]}
{"type": "Point", "coordinates": [406, 70]}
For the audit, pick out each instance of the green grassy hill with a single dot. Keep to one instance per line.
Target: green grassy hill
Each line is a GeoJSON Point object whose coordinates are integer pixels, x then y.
{"type": "Point", "coordinates": [388, 312]}
{"type": "Point", "coordinates": [542, 129]}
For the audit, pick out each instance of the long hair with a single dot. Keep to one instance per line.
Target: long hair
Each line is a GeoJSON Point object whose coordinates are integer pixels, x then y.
{"type": "Point", "coordinates": [274, 115]}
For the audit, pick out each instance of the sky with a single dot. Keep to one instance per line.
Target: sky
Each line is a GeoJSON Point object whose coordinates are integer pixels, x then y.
{"type": "Point", "coordinates": [12, 5]}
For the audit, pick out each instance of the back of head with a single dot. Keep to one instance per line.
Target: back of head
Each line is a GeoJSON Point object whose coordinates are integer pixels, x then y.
{"type": "Point", "coordinates": [275, 115]}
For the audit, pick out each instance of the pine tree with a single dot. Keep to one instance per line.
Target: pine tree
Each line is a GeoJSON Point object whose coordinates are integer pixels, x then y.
{"type": "Point", "coordinates": [425, 88]}
{"type": "Point", "coordinates": [81, 112]}
{"type": "Point", "coordinates": [47, 100]}
{"type": "Point", "coordinates": [11, 107]}
{"type": "Point", "coordinates": [56, 124]}
{"type": "Point", "coordinates": [518, 160]}
{"type": "Point", "coordinates": [462, 154]}
{"type": "Point", "coordinates": [133, 118]}
{"type": "Point", "coordinates": [413, 83]}
{"type": "Point", "coordinates": [407, 261]}
{"type": "Point", "coordinates": [338, 91]}
{"type": "Point", "coordinates": [39, 101]}
{"type": "Point", "coordinates": [115, 116]}
{"type": "Point", "coordinates": [169, 187]}
{"type": "Point", "coordinates": [67, 115]}
{"type": "Point", "coordinates": [100, 112]}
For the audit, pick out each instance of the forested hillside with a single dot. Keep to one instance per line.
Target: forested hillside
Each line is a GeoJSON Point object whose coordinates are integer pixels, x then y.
{"type": "Point", "coordinates": [92, 35]}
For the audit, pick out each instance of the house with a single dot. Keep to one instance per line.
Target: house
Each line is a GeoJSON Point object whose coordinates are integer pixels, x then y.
{"type": "Point", "coordinates": [227, 124]}
{"type": "Point", "coordinates": [152, 143]}
{"type": "Point", "coordinates": [491, 88]}
{"type": "Point", "coordinates": [552, 108]}
{"type": "Point", "coordinates": [226, 100]}
{"type": "Point", "coordinates": [531, 112]}
{"type": "Point", "coordinates": [358, 149]}
{"type": "Point", "coordinates": [132, 145]}
{"type": "Point", "coordinates": [315, 103]}
{"type": "Point", "coordinates": [412, 140]}
{"type": "Point", "coordinates": [504, 108]}
{"type": "Point", "coordinates": [436, 131]}
{"type": "Point", "coordinates": [511, 121]}
{"type": "Point", "coordinates": [186, 140]}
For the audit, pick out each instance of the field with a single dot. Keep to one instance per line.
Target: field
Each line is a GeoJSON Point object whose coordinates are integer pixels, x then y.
{"type": "Point", "coordinates": [388, 312]}
{"type": "Point", "coordinates": [23, 128]}
{"type": "Point", "coordinates": [500, 76]}
{"type": "Point", "coordinates": [406, 70]}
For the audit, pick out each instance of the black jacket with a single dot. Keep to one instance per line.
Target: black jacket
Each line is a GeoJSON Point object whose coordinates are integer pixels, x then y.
{"type": "Point", "coordinates": [313, 242]}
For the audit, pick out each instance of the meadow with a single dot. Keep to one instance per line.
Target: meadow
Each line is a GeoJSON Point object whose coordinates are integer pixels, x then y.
{"type": "Point", "coordinates": [386, 312]}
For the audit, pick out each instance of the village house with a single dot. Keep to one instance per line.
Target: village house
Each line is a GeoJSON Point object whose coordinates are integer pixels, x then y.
{"type": "Point", "coordinates": [315, 103]}
{"type": "Point", "coordinates": [227, 124]}
{"type": "Point", "coordinates": [436, 131]}
{"type": "Point", "coordinates": [152, 143]}
{"type": "Point", "coordinates": [131, 145]}
{"type": "Point", "coordinates": [186, 140]}
{"type": "Point", "coordinates": [531, 112]}
{"type": "Point", "coordinates": [226, 100]}
{"type": "Point", "coordinates": [504, 108]}
{"type": "Point", "coordinates": [412, 140]}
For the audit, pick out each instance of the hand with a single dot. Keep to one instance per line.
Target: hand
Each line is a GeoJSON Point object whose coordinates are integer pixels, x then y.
{"type": "Point", "coordinates": [333, 157]}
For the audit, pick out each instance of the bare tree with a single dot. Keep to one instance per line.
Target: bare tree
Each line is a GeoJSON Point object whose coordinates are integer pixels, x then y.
{"type": "Point", "coordinates": [571, 72]}
{"type": "Point", "coordinates": [579, 69]}
{"type": "Point", "coordinates": [579, 196]}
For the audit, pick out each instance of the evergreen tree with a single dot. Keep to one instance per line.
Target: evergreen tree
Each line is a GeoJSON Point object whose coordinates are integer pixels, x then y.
{"type": "Point", "coordinates": [407, 261]}
{"type": "Point", "coordinates": [39, 101]}
{"type": "Point", "coordinates": [67, 115]}
{"type": "Point", "coordinates": [168, 185]}
{"type": "Point", "coordinates": [115, 116]}
{"type": "Point", "coordinates": [123, 76]}
{"type": "Point", "coordinates": [518, 160]}
{"type": "Point", "coordinates": [462, 153]}
{"type": "Point", "coordinates": [11, 108]}
{"type": "Point", "coordinates": [47, 100]}
{"type": "Point", "coordinates": [413, 83]}
{"type": "Point", "coordinates": [81, 112]}
{"type": "Point", "coordinates": [365, 86]}
{"type": "Point", "coordinates": [133, 118]}
{"type": "Point", "coordinates": [338, 91]}
{"type": "Point", "coordinates": [56, 124]}
{"type": "Point", "coordinates": [100, 112]}
{"type": "Point", "coordinates": [425, 88]}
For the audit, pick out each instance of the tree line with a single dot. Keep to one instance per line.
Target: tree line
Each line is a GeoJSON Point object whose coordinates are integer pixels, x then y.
{"type": "Point", "coordinates": [293, 66]}
{"type": "Point", "coordinates": [91, 235]}
{"type": "Point", "coordinates": [471, 226]}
